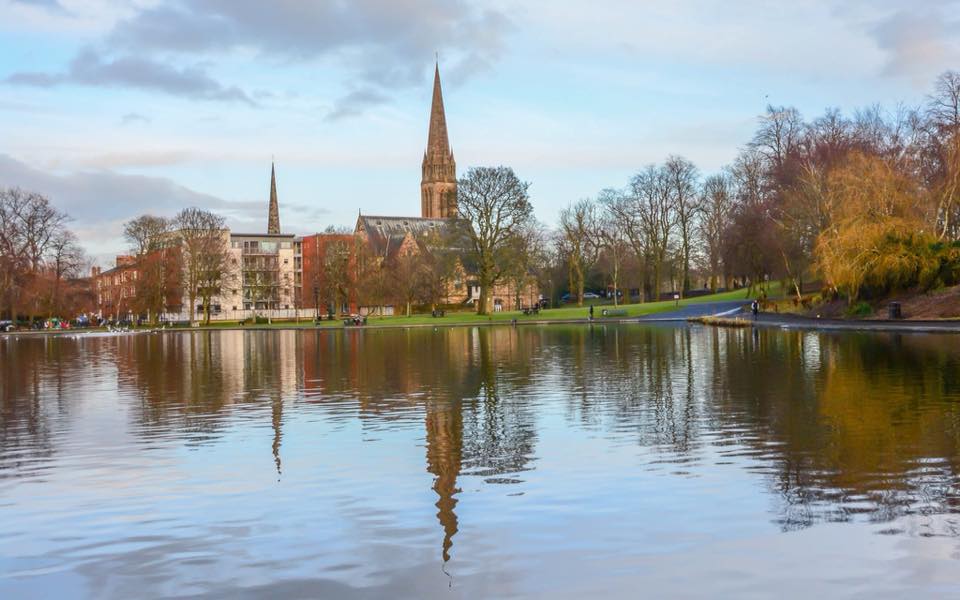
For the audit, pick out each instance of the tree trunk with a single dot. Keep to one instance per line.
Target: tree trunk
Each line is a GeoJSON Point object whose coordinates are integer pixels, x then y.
{"type": "Point", "coordinates": [484, 298]}
{"type": "Point", "coordinates": [657, 268]}
{"type": "Point", "coordinates": [616, 280]}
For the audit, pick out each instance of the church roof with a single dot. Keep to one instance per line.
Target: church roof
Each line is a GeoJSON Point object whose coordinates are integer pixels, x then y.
{"type": "Point", "coordinates": [386, 234]}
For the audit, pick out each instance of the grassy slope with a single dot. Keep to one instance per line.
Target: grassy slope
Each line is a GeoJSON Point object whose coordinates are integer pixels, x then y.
{"type": "Point", "coordinates": [553, 314]}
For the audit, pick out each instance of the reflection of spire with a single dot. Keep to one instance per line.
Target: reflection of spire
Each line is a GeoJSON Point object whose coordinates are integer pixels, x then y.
{"type": "Point", "coordinates": [444, 454]}
{"type": "Point", "coordinates": [277, 419]}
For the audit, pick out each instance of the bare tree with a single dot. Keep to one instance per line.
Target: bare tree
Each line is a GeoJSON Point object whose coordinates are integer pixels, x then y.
{"type": "Point", "coordinates": [372, 278]}
{"type": "Point", "coordinates": [681, 176]}
{"type": "Point", "coordinates": [717, 203]}
{"type": "Point", "coordinates": [28, 226]}
{"type": "Point", "coordinates": [943, 149]}
{"type": "Point", "coordinates": [65, 259]}
{"type": "Point", "coordinates": [656, 216]}
{"type": "Point", "coordinates": [580, 227]}
{"type": "Point", "coordinates": [206, 256]}
{"type": "Point", "coordinates": [147, 234]}
{"type": "Point", "coordinates": [626, 207]}
{"type": "Point", "coordinates": [494, 205]}
{"type": "Point", "coordinates": [158, 263]}
{"type": "Point", "coordinates": [527, 250]}
{"type": "Point", "coordinates": [336, 274]}
{"type": "Point", "coordinates": [943, 106]}
{"type": "Point", "coordinates": [408, 272]}
{"type": "Point", "coordinates": [779, 135]}
{"type": "Point", "coordinates": [612, 239]}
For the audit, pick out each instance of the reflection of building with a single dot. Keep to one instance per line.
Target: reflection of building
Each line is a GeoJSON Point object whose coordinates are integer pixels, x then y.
{"type": "Point", "coordinates": [444, 425]}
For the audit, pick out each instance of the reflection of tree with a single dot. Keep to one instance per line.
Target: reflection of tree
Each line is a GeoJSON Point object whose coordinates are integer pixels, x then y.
{"type": "Point", "coordinates": [851, 423]}
{"type": "Point", "coordinates": [838, 426]}
{"type": "Point", "coordinates": [647, 376]}
{"type": "Point", "coordinates": [30, 402]}
{"type": "Point", "coordinates": [187, 381]}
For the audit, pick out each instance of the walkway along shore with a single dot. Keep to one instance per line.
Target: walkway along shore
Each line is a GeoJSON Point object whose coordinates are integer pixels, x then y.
{"type": "Point", "coordinates": [789, 321]}
{"type": "Point", "coordinates": [689, 314]}
{"type": "Point", "coordinates": [768, 321]}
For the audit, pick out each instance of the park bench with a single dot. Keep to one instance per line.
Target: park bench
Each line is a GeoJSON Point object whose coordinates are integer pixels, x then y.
{"type": "Point", "coordinates": [614, 312]}
{"type": "Point", "coordinates": [531, 310]}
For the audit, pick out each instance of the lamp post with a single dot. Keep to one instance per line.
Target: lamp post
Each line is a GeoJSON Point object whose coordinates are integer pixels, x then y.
{"type": "Point", "coordinates": [316, 303]}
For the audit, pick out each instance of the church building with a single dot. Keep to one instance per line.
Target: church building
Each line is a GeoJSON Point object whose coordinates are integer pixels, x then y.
{"type": "Point", "coordinates": [275, 274]}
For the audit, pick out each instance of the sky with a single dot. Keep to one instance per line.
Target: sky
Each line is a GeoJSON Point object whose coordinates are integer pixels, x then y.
{"type": "Point", "coordinates": [114, 109]}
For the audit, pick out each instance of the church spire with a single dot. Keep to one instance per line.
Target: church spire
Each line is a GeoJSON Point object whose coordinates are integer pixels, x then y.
{"type": "Point", "coordinates": [273, 218]}
{"type": "Point", "coordinates": [438, 144]}
{"type": "Point", "coordinates": [438, 188]}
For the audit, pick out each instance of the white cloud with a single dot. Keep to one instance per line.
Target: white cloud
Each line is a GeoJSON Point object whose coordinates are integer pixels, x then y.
{"type": "Point", "coordinates": [99, 202]}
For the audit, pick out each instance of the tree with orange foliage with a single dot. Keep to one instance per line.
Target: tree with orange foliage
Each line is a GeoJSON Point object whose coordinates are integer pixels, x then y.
{"type": "Point", "coordinates": [877, 235]}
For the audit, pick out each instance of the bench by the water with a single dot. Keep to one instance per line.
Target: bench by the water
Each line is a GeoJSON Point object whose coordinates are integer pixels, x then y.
{"type": "Point", "coordinates": [614, 312]}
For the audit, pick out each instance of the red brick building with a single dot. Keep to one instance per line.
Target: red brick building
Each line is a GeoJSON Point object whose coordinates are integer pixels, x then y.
{"type": "Point", "coordinates": [329, 272]}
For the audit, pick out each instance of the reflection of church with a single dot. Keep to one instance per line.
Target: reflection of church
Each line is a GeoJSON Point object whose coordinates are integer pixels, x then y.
{"type": "Point", "coordinates": [467, 425]}
{"type": "Point", "coordinates": [466, 384]}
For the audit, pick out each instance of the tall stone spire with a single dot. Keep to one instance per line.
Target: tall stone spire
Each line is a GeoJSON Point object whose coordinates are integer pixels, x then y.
{"type": "Point", "coordinates": [273, 218]}
{"type": "Point", "coordinates": [438, 143]}
{"type": "Point", "coordinates": [438, 187]}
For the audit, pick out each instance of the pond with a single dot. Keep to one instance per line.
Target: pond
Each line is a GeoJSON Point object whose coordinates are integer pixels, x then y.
{"type": "Point", "coordinates": [559, 461]}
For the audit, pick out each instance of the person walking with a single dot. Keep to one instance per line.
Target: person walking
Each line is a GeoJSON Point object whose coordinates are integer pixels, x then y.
{"type": "Point", "coordinates": [591, 312]}
{"type": "Point", "coordinates": [755, 308]}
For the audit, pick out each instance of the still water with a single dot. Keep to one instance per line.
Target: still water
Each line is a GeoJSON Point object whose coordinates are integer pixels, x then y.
{"type": "Point", "coordinates": [568, 462]}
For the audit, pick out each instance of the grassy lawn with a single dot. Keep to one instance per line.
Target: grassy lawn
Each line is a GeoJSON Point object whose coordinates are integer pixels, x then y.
{"type": "Point", "coordinates": [565, 312]}
{"type": "Point", "coordinates": [552, 314]}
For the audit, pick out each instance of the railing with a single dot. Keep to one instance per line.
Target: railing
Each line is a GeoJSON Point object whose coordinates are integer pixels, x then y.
{"type": "Point", "coordinates": [238, 315]}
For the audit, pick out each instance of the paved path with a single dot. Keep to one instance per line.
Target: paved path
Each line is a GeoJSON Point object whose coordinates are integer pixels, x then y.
{"type": "Point", "coordinates": [787, 321]}
{"type": "Point", "coordinates": [702, 309]}
{"type": "Point", "coordinates": [741, 308]}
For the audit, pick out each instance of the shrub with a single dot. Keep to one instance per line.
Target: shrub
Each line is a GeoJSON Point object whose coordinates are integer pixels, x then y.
{"type": "Point", "coordinates": [860, 309]}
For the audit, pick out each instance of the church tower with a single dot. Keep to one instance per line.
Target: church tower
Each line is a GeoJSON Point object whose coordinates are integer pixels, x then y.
{"type": "Point", "coordinates": [438, 187]}
{"type": "Point", "coordinates": [273, 217]}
